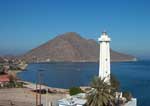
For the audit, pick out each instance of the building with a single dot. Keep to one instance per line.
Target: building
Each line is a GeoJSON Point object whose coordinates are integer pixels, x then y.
{"type": "Point", "coordinates": [76, 100]}
{"type": "Point", "coordinates": [104, 57]}
{"type": "Point", "coordinates": [4, 79]}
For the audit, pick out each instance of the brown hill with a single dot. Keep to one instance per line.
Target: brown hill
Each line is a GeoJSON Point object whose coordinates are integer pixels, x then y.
{"type": "Point", "coordinates": [71, 47]}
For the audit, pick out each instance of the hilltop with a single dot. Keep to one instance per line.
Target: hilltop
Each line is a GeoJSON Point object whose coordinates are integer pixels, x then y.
{"type": "Point", "coordinates": [71, 47]}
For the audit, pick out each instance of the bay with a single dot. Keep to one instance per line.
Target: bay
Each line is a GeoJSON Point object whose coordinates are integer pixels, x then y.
{"type": "Point", "coordinates": [133, 76]}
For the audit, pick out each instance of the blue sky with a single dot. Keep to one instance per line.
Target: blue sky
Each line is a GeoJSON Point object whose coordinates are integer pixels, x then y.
{"type": "Point", "coordinates": [25, 24]}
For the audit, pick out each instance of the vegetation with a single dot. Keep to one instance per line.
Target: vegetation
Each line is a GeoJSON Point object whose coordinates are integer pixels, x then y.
{"type": "Point", "coordinates": [1, 72]}
{"type": "Point", "coordinates": [127, 95]}
{"type": "Point", "coordinates": [14, 67]}
{"type": "Point", "coordinates": [12, 77]}
{"type": "Point", "coordinates": [75, 90]}
{"type": "Point", "coordinates": [1, 66]}
{"type": "Point", "coordinates": [6, 68]}
{"type": "Point", "coordinates": [114, 83]}
{"type": "Point", "coordinates": [101, 94]}
{"type": "Point", "coordinates": [1, 69]}
{"type": "Point", "coordinates": [12, 85]}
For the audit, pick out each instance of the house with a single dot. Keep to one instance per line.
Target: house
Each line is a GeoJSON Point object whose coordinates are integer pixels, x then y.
{"type": "Point", "coordinates": [4, 79]}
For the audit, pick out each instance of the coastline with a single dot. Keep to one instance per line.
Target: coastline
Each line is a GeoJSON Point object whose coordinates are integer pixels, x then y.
{"type": "Point", "coordinates": [23, 67]}
{"type": "Point", "coordinates": [32, 86]}
{"type": "Point", "coordinates": [82, 61]}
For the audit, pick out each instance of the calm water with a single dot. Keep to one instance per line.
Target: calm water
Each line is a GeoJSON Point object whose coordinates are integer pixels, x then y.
{"type": "Point", "coordinates": [133, 76]}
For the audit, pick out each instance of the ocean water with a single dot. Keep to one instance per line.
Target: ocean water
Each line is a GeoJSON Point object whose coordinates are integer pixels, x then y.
{"type": "Point", "coordinates": [133, 76]}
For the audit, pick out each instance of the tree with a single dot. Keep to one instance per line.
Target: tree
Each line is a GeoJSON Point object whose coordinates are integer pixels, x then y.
{"type": "Point", "coordinates": [114, 83]}
{"type": "Point", "coordinates": [101, 94]}
{"type": "Point", "coordinates": [1, 69]}
{"type": "Point", "coordinates": [127, 95]}
{"type": "Point", "coordinates": [75, 90]}
{"type": "Point", "coordinates": [12, 77]}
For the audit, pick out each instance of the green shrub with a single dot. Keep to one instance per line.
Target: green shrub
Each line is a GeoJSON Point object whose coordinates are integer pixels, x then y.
{"type": "Point", "coordinates": [75, 90]}
{"type": "Point", "coordinates": [14, 68]}
{"type": "Point", "coordinates": [11, 85]}
{"type": "Point", "coordinates": [115, 82]}
{"type": "Point", "coordinates": [19, 84]}
{"type": "Point", "coordinates": [127, 95]}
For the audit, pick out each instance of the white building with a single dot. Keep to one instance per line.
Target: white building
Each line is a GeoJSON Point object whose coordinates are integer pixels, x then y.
{"type": "Point", "coordinates": [104, 57]}
{"type": "Point", "coordinates": [76, 100]}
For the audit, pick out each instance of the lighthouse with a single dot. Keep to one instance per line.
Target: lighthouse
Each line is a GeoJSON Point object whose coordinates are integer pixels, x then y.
{"type": "Point", "coordinates": [104, 57]}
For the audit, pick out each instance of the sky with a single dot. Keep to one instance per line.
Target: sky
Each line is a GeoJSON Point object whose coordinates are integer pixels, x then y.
{"type": "Point", "coordinates": [26, 24]}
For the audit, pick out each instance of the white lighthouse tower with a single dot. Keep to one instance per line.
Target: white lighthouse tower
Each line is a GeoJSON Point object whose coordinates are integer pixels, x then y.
{"type": "Point", "coordinates": [104, 57]}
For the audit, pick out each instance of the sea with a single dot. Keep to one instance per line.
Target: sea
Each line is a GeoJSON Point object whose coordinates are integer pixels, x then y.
{"type": "Point", "coordinates": [133, 76]}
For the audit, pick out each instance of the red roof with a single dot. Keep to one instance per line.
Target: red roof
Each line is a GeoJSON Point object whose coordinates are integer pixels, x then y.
{"type": "Point", "coordinates": [4, 78]}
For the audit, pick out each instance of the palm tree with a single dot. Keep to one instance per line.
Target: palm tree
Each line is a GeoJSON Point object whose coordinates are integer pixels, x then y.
{"type": "Point", "coordinates": [101, 94]}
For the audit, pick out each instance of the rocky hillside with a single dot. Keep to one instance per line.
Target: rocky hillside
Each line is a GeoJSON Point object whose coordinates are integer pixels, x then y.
{"type": "Point", "coordinates": [70, 47]}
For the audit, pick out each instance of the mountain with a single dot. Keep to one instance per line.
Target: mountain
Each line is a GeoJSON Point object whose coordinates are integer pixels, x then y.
{"type": "Point", "coordinates": [70, 47]}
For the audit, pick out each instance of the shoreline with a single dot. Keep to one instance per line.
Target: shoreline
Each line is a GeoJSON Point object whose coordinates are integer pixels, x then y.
{"type": "Point", "coordinates": [116, 61]}
{"type": "Point", "coordinates": [32, 86]}
{"type": "Point", "coordinates": [54, 88]}
{"type": "Point", "coordinates": [20, 70]}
